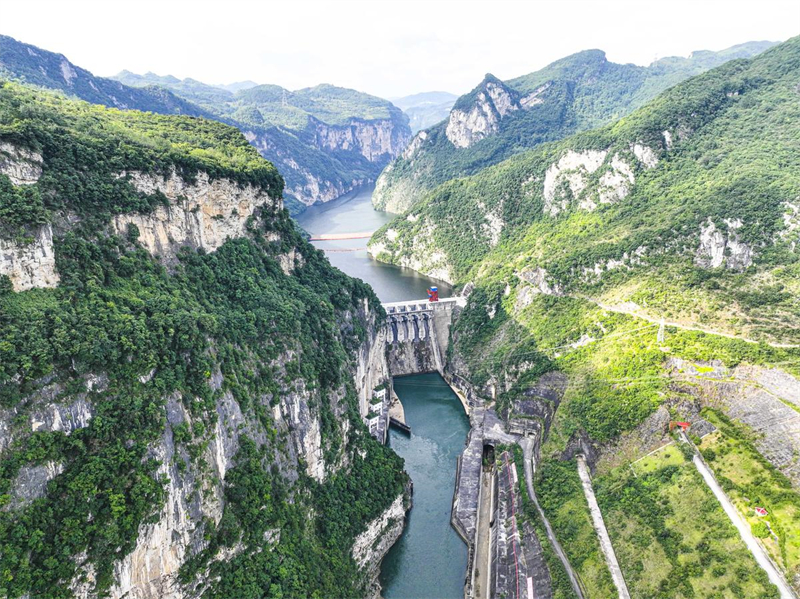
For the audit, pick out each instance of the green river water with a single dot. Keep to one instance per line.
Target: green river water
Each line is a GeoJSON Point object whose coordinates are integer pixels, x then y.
{"type": "Point", "coordinates": [430, 559]}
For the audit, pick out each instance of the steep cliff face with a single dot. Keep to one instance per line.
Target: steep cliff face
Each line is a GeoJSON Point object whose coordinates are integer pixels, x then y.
{"type": "Point", "coordinates": [203, 213]}
{"type": "Point", "coordinates": [29, 263]}
{"type": "Point", "coordinates": [499, 119]}
{"type": "Point", "coordinates": [344, 156]}
{"type": "Point", "coordinates": [470, 122]}
{"type": "Point", "coordinates": [325, 140]}
{"type": "Point", "coordinates": [378, 141]}
{"type": "Point", "coordinates": [181, 400]}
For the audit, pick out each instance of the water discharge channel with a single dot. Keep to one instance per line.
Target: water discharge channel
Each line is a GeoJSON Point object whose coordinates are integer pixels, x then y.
{"type": "Point", "coordinates": [430, 559]}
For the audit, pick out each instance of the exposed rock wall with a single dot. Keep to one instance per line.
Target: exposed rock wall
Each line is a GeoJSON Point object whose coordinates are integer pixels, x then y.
{"type": "Point", "coordinates": [30, 263]}
{"type": "Point", "coordinates": [766, 400]}
{"type": "Point", "coordinates": [468, 125]}
{"type": "Point", "coordinates": [200, 214]}
{"type": "Point", "coordinates": [21, 166]}
{"type": "Point", "coordinates": [419, 252]}
{"type": "Point", "coordinates": [377, 141]}
{"type": "Point", "coordinates": [718, 248]}
{"type": "Point", "coordinates": [374, 543]}
{"type": "Point", "coordinates": [360, 146]}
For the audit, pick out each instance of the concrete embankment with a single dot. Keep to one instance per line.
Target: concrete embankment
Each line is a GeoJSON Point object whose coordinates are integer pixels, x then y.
{"type": "Point", "coordinates": [761, 557]}
{"type": "Point", "coordinates": [600, 529]}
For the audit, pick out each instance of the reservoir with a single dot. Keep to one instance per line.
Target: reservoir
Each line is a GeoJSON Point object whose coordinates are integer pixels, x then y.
{"type": "Point", "coordinates": [430, 559]}
{"type": "Point", "coordinates": [354, 213]}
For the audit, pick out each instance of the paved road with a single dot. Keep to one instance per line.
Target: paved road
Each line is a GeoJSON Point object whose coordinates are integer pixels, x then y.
{"type": "Point", "coordinates": [600, 528]}
{"type": "Point", "coordinates": [527, 450]}
{"type": "Point", "coordinates": [775, 576]}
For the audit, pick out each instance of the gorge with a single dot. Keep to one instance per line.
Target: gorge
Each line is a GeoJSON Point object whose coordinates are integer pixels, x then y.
{"type": "Point", "coordinates": [199, 397]}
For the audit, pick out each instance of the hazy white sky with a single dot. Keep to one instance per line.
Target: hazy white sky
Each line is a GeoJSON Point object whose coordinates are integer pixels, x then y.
{"type": "Point", "coordinates": [388, 48]}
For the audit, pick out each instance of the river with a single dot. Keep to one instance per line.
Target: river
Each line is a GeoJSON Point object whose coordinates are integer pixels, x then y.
{"type": "Point", "coordinates": [353, 213]}
{"type": "Point", "coordinates": [430, 559]}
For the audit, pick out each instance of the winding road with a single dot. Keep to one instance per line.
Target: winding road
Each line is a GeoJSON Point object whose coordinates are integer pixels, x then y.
{"type": "Point", "coordinates": [527, 452]}
{"type": "Point", "coordinates": [637, 313]}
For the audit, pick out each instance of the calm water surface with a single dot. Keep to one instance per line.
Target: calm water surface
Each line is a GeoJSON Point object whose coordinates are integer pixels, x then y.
{"type": "Point", "coordinates": [430, 559]}
{"type": "Point", "coordinates": [353, 213]}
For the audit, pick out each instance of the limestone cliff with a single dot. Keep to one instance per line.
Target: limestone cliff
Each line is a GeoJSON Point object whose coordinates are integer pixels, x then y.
{"type": "Point", "coordinates": [200, 213]}
{"type": "Point", "coordinates": [472, 121]}
{"type": "Point", "coordinates": [203, 213]}
{"type": "Point", "coordinates": [349, 155]}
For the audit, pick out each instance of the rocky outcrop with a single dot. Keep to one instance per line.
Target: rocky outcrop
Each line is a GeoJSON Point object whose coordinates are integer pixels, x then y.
{"type": "Point", "coordinates": [30, 263]}
{"type": "Point", "coordinates": [396, 194]}
{"type": "Point", "coordinates": [766, 400]}
{"type": "Point", "coordinates": [539, 282]}
{"type": "Point", "coordinates": [468, 125]}
{"type": "Point", "coordinates": [567, 178]}
{"type": "Point", "coordinates": [718, 248]}
{"type": "Point", "coordinates": [377, 140]}
{"type": "Point", "coordinates": [374, 543]}
{"type": "Point", "coordinates": [20, 165]}
{"type": "Point", "coordinates": [415, 145]}
{"type": "Point", "coordinates": [200, 214]}
{"type": "Point", "coordinates": [31, 483]}
{"type": "Point", "coordinates": [359, 146]}
{"type": "Point", "coordinates": [418, 252]}
{"type": "Point", "coordinates": [791, 224]}
{"type": "Point", "coordinates": [571, 178]}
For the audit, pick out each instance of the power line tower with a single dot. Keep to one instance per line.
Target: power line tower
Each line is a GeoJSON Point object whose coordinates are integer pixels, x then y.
{"type": "Point", "coordinates": [284, 103]}
{"type": "Point", "coordinates": [660, 337]}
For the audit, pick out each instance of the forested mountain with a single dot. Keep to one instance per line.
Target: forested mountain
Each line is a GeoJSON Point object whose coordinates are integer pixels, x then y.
{"type": "Point", "coordinates": [46, 69]}
{"type": "Point", "coordinates": [653, 264]}
{"type": "Point", "coordinates": [178, 405]}
{"type": "Point", "coordinates": [325, 140]}
{"type": "Point", "coordinates": [426, 109]}
{"type": "Point", "coordinates": [500, 118]}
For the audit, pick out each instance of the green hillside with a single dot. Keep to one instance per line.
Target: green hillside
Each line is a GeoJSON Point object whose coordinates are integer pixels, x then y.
{"type": "Point", "coordinates": [325, 140]}
{"type": "Point", "coordinates": [170, 363]}
{"type": "Point", "coordinates": [687, 211]}
{"type": "Point", "coordinates": [272, 104]}
{"type": "Point", "coordinates": [35, 66]}
{"type": "Point", "coordinates": [577, 93]}
{"type": "Point", "coordinates": [732, 161]}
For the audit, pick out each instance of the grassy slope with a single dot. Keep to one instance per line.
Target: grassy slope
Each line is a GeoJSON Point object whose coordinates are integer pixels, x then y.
{"type": "Point", "coordinates": [750, 481]}
{"type": "Point", "coordinates": [671, 536]}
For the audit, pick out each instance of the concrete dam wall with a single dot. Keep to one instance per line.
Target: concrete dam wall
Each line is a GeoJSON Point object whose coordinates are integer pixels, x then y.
{"type": "Point", "coordinates": [417, 334]}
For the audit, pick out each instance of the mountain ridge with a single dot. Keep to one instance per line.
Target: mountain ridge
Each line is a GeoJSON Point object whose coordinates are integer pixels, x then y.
{"type": "Point", "coordinates": [575, 93]}
{"type": "Point", "coordinates": [320, 161]}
